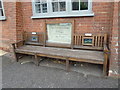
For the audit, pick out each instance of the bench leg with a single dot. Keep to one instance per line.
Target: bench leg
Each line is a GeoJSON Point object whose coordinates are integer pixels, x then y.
{"type": "Point", "coordinates": [16, 57]}
{"type": "Point", "coordinates": [105, 65]}
{"type": "Point", "coordinates": [36, 60]}
{"type": "Point", "coordinates": [67, 65]}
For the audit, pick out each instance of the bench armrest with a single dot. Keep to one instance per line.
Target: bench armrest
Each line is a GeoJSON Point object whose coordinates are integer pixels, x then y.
{"type": "Point", "coordinates": [106, 50]}
{"type": "Point", "coordinates": [18, 44]}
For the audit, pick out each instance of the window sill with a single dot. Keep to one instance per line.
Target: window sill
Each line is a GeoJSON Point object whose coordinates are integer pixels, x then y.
{"type": "Point", "coordinates": [2, 18]}
{"type": "Point", "coordinates": [54, 16]}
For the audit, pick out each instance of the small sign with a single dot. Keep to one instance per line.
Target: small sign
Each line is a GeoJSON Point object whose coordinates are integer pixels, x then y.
{"type": "Point", "coordinates": [88, 34]}
{"type": "Point", "coordinates": [34, 38]}
{"type": "Point", "coordinates": [34, 33]}
{"type": "Point", "coordinates": [88, 41]}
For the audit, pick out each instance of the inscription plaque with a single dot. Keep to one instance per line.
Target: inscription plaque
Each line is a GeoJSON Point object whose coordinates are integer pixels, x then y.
{"type": "Point", "coordinates": [59, 33]}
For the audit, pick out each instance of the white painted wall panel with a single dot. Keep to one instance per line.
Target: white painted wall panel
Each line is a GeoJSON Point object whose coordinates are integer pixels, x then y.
{"type": "Point", "coordinates": [59, 33]}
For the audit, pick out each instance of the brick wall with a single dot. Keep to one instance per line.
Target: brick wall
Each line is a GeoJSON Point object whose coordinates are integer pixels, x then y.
{"type": "Point", "coordinates": [100, 23]}
{"type": "Point", "coordinates": [114, 60]}
{"type": "Point", "coordinates": [19, 20]}
{"type": "Point", "coordinates": [8, 27]}
{"type": "Point", "coordinates": [12, 27]}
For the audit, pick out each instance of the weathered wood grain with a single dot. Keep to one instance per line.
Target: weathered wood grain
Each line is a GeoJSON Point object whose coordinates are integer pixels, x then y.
{"type": "Point", "coordinates": [80, 54]}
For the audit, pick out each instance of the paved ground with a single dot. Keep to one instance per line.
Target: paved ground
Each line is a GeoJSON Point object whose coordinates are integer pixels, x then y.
{"type": "Point", "coordinates": [16, 75]}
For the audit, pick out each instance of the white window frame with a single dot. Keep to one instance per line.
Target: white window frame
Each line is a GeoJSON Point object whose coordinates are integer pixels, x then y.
{"type": "Point", "coordinates": [59, 6]}
{"type": "Point", "coordinates": [68, 13]}
{"type": "Point", "coordinates": [2, 17]}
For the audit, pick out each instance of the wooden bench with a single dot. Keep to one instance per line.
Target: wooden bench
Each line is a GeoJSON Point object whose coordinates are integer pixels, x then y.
{"type": "Point", "coordinates": [95, 52]}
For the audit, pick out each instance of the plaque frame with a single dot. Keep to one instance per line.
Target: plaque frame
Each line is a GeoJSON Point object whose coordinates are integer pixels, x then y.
{"type": "Point", "coordinates": [88, 40]}
{"type": "Point", "coordinates": [58, 22]}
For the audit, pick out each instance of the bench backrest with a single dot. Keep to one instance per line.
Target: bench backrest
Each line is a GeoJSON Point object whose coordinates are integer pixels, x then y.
{"type": "Point", "coordinates": [98, 40]}
{"type": "Point", "coordinates": [28, 38]}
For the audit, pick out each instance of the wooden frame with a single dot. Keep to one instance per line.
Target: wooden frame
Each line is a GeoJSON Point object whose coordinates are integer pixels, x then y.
{"type": "Point", "coordinates": [99, 41]}
{"type": "Point", "coordinates": [57, 22]}
{"type": "Point", "coordinates": [88, 43]}
{"type": "Point", "coordinates": [27, 37]}
{"type": "Point", "coordinates": [34, 38]}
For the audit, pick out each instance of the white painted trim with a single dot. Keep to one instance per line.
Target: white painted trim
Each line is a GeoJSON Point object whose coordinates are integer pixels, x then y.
{"type": "Point", "coordinates": [67, 13]}
{"type": "Point", "coordinates": [3, 17]}
{"type": "Point", "coordinates": [54, 16]}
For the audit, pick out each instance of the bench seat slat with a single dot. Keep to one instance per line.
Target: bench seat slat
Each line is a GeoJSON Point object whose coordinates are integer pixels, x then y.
{"type": "Point", "coordinates": [79, 54]}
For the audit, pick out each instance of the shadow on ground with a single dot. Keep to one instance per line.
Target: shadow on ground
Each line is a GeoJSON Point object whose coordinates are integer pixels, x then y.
{"type": "Point", "coordinates": [51, 74]}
